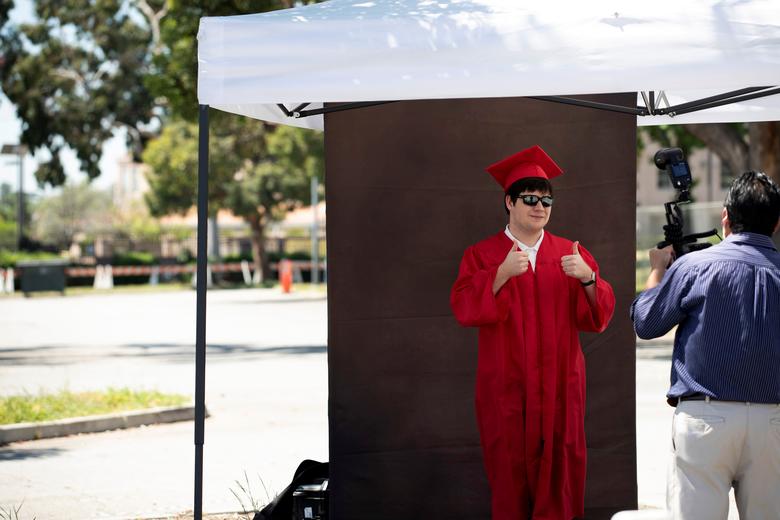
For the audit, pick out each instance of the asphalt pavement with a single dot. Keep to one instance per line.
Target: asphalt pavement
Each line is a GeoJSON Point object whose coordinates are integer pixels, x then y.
{"type": "Point", "coordinates": [266, 391]}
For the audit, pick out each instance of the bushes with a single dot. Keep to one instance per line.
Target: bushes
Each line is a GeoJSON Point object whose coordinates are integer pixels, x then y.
{"type": "Point", "coordinates": [10, 258]}
{"type": "Point", "coordinates": [134, 258]}
{"type": "Point", "coordinates": [7, 234]}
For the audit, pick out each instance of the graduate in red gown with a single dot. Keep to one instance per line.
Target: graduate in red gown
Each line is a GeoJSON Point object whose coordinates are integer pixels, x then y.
{"type": "Point", "coordinates": [530, 293]}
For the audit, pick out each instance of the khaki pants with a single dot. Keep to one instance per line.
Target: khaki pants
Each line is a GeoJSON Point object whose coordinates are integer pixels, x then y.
{"type": "Point", "coordinates": [720, 444]}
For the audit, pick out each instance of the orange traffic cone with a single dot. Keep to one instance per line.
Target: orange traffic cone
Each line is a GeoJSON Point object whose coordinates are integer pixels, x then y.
{"type": "Point", "coordinates": [285, 275]}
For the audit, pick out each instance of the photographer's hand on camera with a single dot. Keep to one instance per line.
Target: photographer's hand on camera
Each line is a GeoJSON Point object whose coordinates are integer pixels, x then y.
{"type": "Point", "coordinates": [660, 260]}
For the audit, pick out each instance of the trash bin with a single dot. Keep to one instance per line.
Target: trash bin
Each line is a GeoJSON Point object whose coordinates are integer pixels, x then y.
{"type": "Point", "coordinates": [42, 275]}
{"type": "Point", "coordinates": [310, 501]}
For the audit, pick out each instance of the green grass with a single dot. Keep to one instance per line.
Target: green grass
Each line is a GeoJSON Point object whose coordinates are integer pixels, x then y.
{"type": "Point", "coordinates": [64, 404]}
{"type": "Point", "coordinates": [8, 258]}
{"type": "Point", "coordinates": [307, 287]}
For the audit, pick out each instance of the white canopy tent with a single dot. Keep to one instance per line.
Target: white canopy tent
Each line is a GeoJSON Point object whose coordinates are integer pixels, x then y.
{"type": "Point", "coordinates": [366, 51]}
{"type": "Point", "coordinates": [689, 62]}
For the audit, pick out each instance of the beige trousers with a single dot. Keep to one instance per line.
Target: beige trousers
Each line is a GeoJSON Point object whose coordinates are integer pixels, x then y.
{"type": "Point", "coordinates": [720, 444]}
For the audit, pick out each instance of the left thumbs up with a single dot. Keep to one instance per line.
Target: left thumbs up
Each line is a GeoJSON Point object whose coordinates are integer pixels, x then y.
{"type": "Point", "coordinates": [573, 265]}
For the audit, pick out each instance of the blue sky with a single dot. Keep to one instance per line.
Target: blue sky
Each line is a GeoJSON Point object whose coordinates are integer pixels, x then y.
{"type": "Point", "coordinates": [10, 128]}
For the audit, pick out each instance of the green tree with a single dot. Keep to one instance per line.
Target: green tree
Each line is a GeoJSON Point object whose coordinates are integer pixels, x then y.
{"type": "Point", "coordinates": [175, 79]}
{"type": "Point", "coordinates": [76, 75]}
{"type": "Point", "coordinates": [5, 8]}
{"type": "Point", "coordinates": [258, 171]}
{"type": "Point", "coordinates": [77, 208]}
{"type": "Point", "coordinates": [86, 68]}
{"type": "Point", "coordinates": [89, 67]}
{"type": "Point", "coordinates": [741, 146]}
{"type": "Point", "coordinates": [9, 200]}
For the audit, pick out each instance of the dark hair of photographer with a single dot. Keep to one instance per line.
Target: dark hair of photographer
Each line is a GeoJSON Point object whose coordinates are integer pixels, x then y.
{"type": "Point", "coordinates": [527, 184]}
{"type": "Point", "coordinates": [753, 204]}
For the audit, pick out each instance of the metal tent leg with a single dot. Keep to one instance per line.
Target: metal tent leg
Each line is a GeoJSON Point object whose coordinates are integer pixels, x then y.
{"type": "Point", "coordinates": [200, 322]}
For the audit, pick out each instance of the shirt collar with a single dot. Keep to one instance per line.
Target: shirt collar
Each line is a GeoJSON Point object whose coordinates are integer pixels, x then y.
{"type": "Point", "coordinates": [523, 246]}
{"type": "Point", "coordinates": [751, 239]}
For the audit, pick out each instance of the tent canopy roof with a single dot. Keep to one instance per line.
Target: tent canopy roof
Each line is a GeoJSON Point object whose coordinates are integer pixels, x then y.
{"type": "Point", "coordinates": [382, 50]}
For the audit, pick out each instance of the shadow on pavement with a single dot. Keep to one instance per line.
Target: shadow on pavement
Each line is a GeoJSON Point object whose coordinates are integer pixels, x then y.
{"type": "Point", "coordinates": [9, 454]}
{"type": "Point", "coordinates": [174, 352]}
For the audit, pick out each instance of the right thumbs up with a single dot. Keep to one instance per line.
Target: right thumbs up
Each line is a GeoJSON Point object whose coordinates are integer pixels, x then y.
{"type": "Point", "coordinates": [516, 261]}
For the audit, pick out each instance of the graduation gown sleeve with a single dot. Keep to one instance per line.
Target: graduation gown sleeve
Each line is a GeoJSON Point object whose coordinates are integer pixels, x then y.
{"type": "Point", "coordinates": [472, 299]}
{"type": "Point", "coordinates": [593, 318]}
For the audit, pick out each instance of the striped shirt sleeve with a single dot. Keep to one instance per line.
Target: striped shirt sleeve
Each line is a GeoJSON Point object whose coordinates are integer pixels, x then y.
{"type": "Point", "coordinates": [655, 311]}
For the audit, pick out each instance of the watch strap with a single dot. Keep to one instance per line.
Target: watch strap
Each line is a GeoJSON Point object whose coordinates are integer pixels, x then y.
{"type": "Point", "coordinates": [591, 281]}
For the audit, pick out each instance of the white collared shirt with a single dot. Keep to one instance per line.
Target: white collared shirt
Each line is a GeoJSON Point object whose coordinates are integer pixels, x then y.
{"type": "Point", "coordinates": [531, 250]}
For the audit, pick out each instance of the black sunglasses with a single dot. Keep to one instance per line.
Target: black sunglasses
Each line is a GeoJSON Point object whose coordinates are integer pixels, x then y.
{"type": "Point", "coordinates": [532, 200]}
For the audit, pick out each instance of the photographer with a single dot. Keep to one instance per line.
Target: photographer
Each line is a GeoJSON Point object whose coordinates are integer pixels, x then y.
{"type": "Point", "coordinates": [725, 376]}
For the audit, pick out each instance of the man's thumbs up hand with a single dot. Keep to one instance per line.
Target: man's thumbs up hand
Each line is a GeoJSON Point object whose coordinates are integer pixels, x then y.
{"type": "Point", "coordinates": [515, 263]}
{"type": "Point", "coordinates": [573, 265]}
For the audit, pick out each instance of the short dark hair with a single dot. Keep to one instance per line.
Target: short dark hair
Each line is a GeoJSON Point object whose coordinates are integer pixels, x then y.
{"type": "Point", "coordinates": [753, 204]}
{"type": "Point", "coordinates": [527, 184]}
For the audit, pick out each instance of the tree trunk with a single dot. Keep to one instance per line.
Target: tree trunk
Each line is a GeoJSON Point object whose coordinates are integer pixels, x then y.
{"type": "Point", "coordinates": [726, 142]}
{"type": "Point", "coordinates": [259, 258]}
{"type": "Point", "coordinates": [765, 148]}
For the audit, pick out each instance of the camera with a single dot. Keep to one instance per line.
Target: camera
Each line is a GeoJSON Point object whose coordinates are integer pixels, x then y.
{"type": "Point", "coordinates": [673, 161]}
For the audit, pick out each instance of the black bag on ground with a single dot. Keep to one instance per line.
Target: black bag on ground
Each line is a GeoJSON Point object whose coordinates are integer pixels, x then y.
{"type": "Point", "coordinates": [281, 507]}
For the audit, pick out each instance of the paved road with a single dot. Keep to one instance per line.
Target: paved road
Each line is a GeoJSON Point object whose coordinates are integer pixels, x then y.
{"type": "Point", "coordinates": [266, 391]}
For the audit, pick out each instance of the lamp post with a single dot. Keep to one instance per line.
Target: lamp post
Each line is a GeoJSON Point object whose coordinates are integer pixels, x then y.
{"type": "Point", "coordinates": [20, 151]}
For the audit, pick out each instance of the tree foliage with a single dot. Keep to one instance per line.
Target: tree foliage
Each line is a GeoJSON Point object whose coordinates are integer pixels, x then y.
{"type": "Point", "coordinates": [9, 200]}
{"type": "Point", "coordinates": [76, 75]}
{"type": "Point", "coordinates": [77, 208]}
{"type": "Point", "coordinates": [175, 78]}
{"type": "Point", "coordinates": [5, 8]}
{"type": "Point", "coordinates": [88, 67]}
{"type": "Point", "coordinates": [258, 171]}
{"type": "Point", "coordinates": [741, 146]}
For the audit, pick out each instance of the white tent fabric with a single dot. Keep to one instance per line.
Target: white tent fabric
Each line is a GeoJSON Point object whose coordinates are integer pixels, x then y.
{"type": "Point", "coordinates": [375, 50]}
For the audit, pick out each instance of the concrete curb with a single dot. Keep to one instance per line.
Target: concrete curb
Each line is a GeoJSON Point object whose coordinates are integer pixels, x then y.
{"type": "Point", "coordinates": [95, 423]}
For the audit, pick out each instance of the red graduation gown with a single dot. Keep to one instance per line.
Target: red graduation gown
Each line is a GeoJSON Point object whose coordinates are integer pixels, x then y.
{"type": "Point", "coordinates": [530, 391]}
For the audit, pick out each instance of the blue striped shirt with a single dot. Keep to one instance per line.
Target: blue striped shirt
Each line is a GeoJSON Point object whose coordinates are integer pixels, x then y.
{"type": "Point", "coordinates": [726, 300]}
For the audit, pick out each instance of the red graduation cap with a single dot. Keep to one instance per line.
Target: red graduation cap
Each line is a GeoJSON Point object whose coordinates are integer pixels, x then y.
{"type": "Point", "coordinates": [531, 162]}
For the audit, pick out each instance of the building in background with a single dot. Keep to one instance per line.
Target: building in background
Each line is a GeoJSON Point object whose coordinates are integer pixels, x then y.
{"type": "Point", "coordinates": [711, 178]}
{"type": "Point", "coordinates": [131, 183]}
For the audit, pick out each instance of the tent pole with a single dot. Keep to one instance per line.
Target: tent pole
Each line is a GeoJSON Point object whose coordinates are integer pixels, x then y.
{"type": "Point", "coordinates": [716, 101]}
{"type": "Point", "coordinates": [637, 111]}
{"type": "Point", "coordinates": [200, 321]}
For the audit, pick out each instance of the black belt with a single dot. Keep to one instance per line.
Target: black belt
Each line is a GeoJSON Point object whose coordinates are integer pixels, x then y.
{"type": "Point", "coordinates": [673, 401]}
{"type": "Point", "coordinates": [695, 397]}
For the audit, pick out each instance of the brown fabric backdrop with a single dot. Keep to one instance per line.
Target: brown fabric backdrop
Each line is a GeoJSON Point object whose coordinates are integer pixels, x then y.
{"type": "Point", "coordinates": [407, 192]}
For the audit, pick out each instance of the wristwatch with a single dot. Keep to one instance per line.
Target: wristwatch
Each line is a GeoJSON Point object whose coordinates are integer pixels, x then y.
{"type": "Point", "coordinates": [591, 281]}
